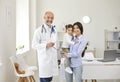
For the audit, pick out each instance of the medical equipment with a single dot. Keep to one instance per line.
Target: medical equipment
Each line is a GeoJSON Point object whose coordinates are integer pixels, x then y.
{"type": "Point", "coordinates": [44, 30]}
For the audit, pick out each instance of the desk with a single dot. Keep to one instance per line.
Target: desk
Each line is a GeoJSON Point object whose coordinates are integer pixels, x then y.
{"type": "Point", "coordinates": [97, 70]}
{"type": "Point", "coordinates": [101, 70]}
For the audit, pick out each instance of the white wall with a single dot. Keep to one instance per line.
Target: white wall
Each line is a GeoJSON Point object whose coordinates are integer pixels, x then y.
{"type": "Point", "coordinates": [7, 39]}
{"type": "Point", "coordinates": [105, 14]}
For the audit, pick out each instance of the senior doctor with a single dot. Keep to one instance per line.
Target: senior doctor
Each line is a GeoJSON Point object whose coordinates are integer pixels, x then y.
{"type": "Point", "coordinates": [45, 42]}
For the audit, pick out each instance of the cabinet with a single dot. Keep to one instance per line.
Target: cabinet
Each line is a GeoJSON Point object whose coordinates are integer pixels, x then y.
{"type": "Point", "coordinates": [112, 40]}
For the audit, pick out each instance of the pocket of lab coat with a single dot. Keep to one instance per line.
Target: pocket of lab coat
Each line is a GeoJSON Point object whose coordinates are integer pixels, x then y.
{"type": "Point", "coordinates": [41, 51]}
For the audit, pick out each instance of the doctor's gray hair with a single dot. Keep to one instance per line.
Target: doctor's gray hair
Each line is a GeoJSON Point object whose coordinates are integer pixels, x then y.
{"type": "Point", "coordinates": [48, 12]}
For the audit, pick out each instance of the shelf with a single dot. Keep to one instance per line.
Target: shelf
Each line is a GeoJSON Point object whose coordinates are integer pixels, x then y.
{"type": "Point", "coordinates": [112, 31]}
{"type": "Point", "coordinates": [113, 41]}
{"type": "Point", "coordinates": [114, 49]}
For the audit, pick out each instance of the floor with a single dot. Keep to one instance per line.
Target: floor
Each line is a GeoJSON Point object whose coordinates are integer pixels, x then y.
{"type": "Point", "coordinates": [56, 79]}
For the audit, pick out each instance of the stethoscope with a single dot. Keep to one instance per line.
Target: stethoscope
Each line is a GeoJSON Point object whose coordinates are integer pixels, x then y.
{"type": "Point", "coordinates": [45, 31]}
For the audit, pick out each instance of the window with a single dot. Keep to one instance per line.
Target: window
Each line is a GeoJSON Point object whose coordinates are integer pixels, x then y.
{"type": "Point", "coordinates": [22, 26]}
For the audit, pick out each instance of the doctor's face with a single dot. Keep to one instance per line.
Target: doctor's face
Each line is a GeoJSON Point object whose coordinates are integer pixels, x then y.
{"type": "Point", "coordinates": [49, 17]}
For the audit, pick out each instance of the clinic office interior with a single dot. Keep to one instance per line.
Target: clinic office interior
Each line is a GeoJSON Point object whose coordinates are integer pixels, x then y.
{"type": "Point", "coordinates": [16, 29]}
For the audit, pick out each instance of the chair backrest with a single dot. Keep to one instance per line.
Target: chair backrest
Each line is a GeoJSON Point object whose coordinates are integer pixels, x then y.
{"type": "Point", "coordinates": [13, 59]}
{"type": "Point", "coordinates": [20, 60]}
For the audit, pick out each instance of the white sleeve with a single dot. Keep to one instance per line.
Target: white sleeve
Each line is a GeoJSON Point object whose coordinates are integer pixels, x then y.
{"type": "Point", "coordinates": [55, 40]}
{"type": "Point", "coordinates": [68, 40]}
{"type": "Point", "coordinates": [36, 42]}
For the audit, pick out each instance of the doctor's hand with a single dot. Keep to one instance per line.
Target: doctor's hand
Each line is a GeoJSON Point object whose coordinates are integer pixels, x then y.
{"type": "Point", "coordinates": [50, 44]}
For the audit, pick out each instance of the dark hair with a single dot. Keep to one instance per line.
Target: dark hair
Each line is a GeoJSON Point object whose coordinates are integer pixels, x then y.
{"type": "Point", "coordinates": [69, 26]}
{"type": "Point", "coordinates": [80, 26]}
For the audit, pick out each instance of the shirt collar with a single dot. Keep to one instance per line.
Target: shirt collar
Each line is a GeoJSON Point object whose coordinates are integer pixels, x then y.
{"type": "Point", "coordinates": [47, 27]}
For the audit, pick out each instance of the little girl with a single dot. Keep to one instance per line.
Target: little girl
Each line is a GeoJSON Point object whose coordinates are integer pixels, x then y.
{"type": "Point", "coordinates": [67, 40]}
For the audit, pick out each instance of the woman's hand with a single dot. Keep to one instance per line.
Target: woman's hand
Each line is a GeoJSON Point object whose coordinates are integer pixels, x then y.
{"type": "Point", "coordinates": [65, 54]}
{"type": "Point", "coordinates": [76, 42]}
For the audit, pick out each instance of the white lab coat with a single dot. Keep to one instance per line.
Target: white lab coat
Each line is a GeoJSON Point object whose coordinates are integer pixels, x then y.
{"type": "Point", "coordinates": [47, 57]}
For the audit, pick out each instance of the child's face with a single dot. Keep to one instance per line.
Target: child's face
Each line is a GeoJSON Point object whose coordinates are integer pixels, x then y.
{"type": "Point", "coordinates": [69, 31]}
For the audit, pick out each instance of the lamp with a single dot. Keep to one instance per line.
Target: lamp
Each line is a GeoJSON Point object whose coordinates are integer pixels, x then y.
{"type": "Point", "coordinates": [86, 19]}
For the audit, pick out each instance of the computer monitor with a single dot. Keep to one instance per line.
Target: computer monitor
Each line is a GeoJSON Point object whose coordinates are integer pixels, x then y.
{"type": "Point", "coordinates": [110, 55]}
